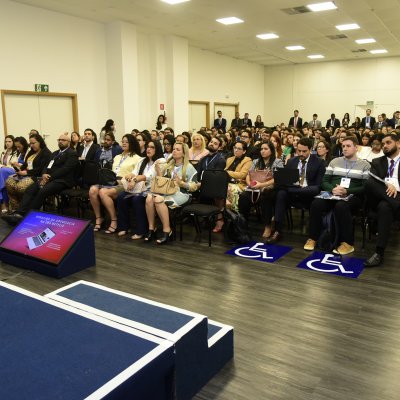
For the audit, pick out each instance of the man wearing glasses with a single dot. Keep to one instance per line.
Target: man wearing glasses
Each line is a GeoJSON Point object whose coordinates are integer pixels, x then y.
{"type": "Point", "coordinates": [252, 151]}
{"type": "Point", "coordinates": [57, 176]}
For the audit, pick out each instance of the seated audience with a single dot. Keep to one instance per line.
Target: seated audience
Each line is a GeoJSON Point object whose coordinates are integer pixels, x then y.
{"type": "Point", "coordinates": [237, 167]}
{"type": "Point", "coordinates": [142, 139]}
{"type": "Point", "coordinates": [323, 151]}
{"type": "Point", "coordinates": [198, 150]}
{"type": "Point", "coordinates": [139, 181]}
{"type": "Point", "coordinates": [168, 145]}
{"type": "Point", "coordinates": [76, 142]}
{"type": "Point", "coordinates": [110, 149]}
{"type": "Point", "coordinates": [123, 165]}
{"type": "Point", "coordinates": [252, 152]}
{"type": "Point", "coordinates": [88, 150]}
{"type": "Point", "coordinates": [56, 176]}
{"type": "Point", "coordinates": [258, 124]}
{"type": "Point", "coordinates": [185, 177]}
{"type": "Point", "coordinates": [35, 162]}
{"type": "Point", "coordinates": [384, 198]}
{"type": "Point", "coordinates": [263, 190]}
{"type": "Point", "coordinates": [344, 176]}
{"type": "Point", "coordinates": [7, 158]}
{"type": "Point", "coordinates": [376, 147]}
{"type": "Point", "coordinates": [311, 171]}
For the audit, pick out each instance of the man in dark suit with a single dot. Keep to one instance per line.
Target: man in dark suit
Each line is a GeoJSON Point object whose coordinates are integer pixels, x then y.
{"type": "Point", "coordinates": [395, 121]}
{"type": "Point", "coordinates": [220, 123]}
{"type": "Point", "coordinates": [380, 123]}
{"type": "Point", "coordinates": [87, 152]}
{"type": "Point", "coordinates": [246, 121]}
{"type": "Point", "coordinates": [384, 198]}
{"type": "Point", "coordinates": [57, 176]}
{"type": "Point", "coordinates": [296, 121]}
{"type": "Point", "coordinates": [312, 170]}
{"type": "Point", "coordinates": [333, 122]}
{"type": "Point", "coordinates": [236, 122]}
{"type": "Point", "coordinates": [368, 121]}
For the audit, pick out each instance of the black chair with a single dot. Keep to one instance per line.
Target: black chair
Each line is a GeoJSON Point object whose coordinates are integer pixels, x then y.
{"type": "Point", "coordinates": [214, 184]}
{"type": "Point", "coordinates": [90, 176]}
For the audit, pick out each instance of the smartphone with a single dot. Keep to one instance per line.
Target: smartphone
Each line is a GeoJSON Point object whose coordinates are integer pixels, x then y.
{"type": "Point", "coordinates": [41, 239]}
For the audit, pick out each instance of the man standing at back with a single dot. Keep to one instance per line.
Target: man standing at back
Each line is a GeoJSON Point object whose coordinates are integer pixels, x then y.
{"type": "Point", "coordinates": [384, 198]}
{"type": "Point", "coordinates": [57, 176]}
{"type": "Point", "coordinates": [296, 121]}
{"type": "Point", "coordinates": [344, 176]}
{"type": "Point", "coordinates": [315, 122]}
{"type": "Point", "coordinates": [220, 123]}
{"type": "Point", "coordinates": [368, 121]}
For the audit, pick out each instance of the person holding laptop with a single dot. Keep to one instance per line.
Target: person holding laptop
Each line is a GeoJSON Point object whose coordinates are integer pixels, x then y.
{"type": "Point", "coordinates": [311, 171]}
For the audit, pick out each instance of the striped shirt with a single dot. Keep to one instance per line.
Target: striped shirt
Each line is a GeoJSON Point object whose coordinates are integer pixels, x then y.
{"type": "Point", "coordinates": [339, 168]}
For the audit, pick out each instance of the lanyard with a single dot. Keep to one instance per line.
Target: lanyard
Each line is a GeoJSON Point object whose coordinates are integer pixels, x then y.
{"type": "Point", "coordinates": [122, 160]}
{"type": "Point", "coordinates": [208, 161]}
{"type": "Point", "coordinates": [60, 153]}
{"type": "Point", "coordinates": [351, 167]}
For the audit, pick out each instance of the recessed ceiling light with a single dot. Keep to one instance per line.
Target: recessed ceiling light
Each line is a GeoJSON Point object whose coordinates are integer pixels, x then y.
{"type": "Point", "coordinates": [230, 21]}
{"type": "Point", "coordinates": [266, 36]}
{"type": "Point", "coordinates": [315, 56]}
{"type": "Point", "coordinates": [329, 5]}
{"type": "Point", "coordinates": [293, 48]}
{"type": "Point", "coordinates": [174, 1]}
{"type": "Point", "coordinates": [347, 27]}
{"type": "Point", "coordinates": [365, 41]}
{"type": "Point", "coordinates": [378, 51]}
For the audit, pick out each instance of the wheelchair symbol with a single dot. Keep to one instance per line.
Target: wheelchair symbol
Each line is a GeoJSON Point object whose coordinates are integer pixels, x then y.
{"type": "Point", "coordinates": [326, 261]}
{"type": "Point", "coordinates": [262, 253]}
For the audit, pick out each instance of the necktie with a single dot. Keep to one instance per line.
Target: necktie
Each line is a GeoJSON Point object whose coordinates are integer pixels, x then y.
{"type": "Point", "coordinates": [302, 172]}
{"type": "Point", "coordinates": [391, 168]}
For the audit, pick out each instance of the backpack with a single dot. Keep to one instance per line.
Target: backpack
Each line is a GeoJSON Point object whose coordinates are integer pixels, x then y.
{"type": "Point", "coordinates": [328, 239]}
{"type": "Point", "coordinates": [236, 227]}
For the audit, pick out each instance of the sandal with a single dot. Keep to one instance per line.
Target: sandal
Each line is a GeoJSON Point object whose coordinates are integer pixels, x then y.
{"type": "Point", "coordinates": [267, 233]}
{"type": "Point", "coordinates": [218, 226]}
{"type": "Point", "coordinates": [122, 233]}
{"type": "Point", "coordinates": [110, 230]}
{"type": "Point", "coordinates": [137, 237]}
{"type": "Point", "coordinates": [97, 227]}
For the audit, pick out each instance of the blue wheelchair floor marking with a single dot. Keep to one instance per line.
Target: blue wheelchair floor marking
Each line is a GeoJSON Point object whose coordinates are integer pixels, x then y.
{"type": "Point", "coordinates": [333, 264]}
{"type": "Point", "coordinates": [260, 251]}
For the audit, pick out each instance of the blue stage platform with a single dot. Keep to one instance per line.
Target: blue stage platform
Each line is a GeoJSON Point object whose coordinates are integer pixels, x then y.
{"type": "Point", "coordinates": [202, 347]}
{"type": "Point", "coordinates": [51, 351]}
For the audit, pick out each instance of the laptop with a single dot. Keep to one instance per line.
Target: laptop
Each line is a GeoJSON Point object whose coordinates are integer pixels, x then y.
{"type": "Point", "coordinates": [284, 177]}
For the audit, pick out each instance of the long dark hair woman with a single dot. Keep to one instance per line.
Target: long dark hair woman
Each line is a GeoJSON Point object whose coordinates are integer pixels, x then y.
{"type": "Point", "coordinates": [137, 185]}
{"type": "Point", "coordinates": [161, 122]}
{"type": "Point", "coordinates": [261, 191]}
{"type": "Point", "coordinates": [37, 158]}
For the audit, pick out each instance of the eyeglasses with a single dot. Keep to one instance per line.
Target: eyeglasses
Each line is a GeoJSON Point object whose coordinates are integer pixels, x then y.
{"type": "Point", "coordinates": [63, 140]}
{"type": "Point", "coordinates": [244, 137]}
{"type": "Point", "coordinates": [321, 147]}
{"type": "Point", "coordinates": [238, 148]}
{"type": "Point", "coordinates": [151, 147]}
{"type": "Point", "coordinates": [167, 144]}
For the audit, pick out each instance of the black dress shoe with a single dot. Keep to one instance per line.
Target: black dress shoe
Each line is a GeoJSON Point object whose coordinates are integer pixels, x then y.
{"type": "Point", "coordinates": [276, 237]}
{"type": "Point", "coordinates": [374, 260]}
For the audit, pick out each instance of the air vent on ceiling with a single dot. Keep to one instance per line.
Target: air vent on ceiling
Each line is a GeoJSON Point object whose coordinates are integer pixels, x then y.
{"type": "Point", "coordinates": [359, 51]}
{"type": "Point", "coordinates": [296, 10]}
{"type": "Point", "coordinates": [337, 37]}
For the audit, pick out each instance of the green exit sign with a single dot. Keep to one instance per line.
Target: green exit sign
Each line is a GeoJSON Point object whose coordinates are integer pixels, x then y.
{"type": "Point", "coordinates": [41, 87]}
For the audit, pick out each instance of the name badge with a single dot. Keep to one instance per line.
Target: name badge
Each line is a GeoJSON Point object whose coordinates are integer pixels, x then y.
{"type": "Point", "coordinates": [30, 165]}
{"type": "Point", "coordinates": [345, 183]}
{"type": "Point", "coordinates": [50, 164]}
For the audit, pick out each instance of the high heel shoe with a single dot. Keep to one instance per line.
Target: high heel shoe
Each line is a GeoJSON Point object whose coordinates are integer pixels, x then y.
{"type": "Point", "coordinates": [166, 236]}
{"type": "Point", "coordinates": [151, 235]}
{"type": "Point", "coordinates": [110, 230]}
{"type": "Point", "coordinates": [97, 227]}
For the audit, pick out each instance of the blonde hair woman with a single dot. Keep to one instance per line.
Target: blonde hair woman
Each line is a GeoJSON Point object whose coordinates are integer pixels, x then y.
{"type": "Point", "coordinates": [198, 149]}
{"type": "Point", "coordinates": [184, 174]}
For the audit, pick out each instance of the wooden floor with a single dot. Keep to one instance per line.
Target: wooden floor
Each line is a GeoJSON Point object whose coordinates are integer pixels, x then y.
{"type": "Point", "coordinates": [298, 334]}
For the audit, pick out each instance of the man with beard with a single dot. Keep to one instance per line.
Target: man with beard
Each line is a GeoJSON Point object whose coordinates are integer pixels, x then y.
{"type": "Point", "coordinates": [384, 197]}
{"type": "Point", "coordinates": [214, 160]}
{"type": "Point", "coordinates": [57, 176]}
{"type": "Point", "coordinates": [344, 176]}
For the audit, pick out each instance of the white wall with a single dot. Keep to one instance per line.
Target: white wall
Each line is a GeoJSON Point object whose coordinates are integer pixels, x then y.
{"type": "Point", "coordinates": [331, 87]}
{"type": "Point", "coordinates": [68, 53]}
{"type": "Point", "coordinates": [217, 78]}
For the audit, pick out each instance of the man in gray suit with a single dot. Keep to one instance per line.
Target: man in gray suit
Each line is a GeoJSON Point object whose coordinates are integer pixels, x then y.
{"type": "Point", "coordinates": [315, 123]}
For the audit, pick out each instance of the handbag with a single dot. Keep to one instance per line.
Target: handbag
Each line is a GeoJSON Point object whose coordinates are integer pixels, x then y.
{"type": "Point", "coordinates": [139, 187]}
{"type": "Point", "coordinates": [261, 175]}
{"type": "Point", "coordinates": [163, 185]}
{"type": "Point", "coordinates": [107, 177]}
